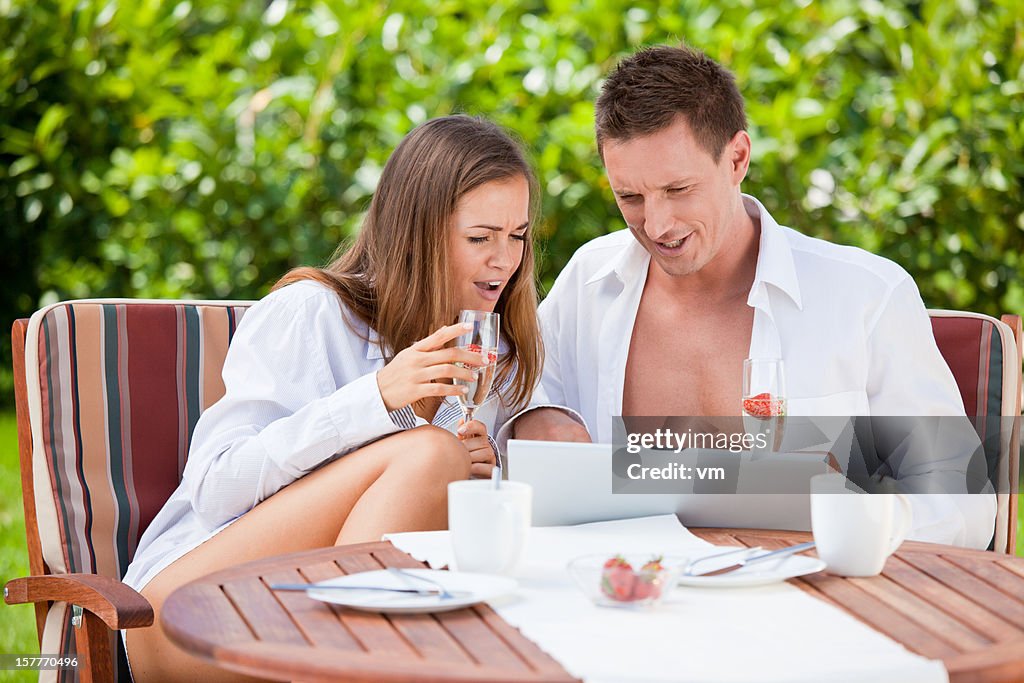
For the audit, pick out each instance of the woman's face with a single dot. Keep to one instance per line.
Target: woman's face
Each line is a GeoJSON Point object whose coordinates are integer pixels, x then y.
{"type": "Point", "coordinates": [488, 237]}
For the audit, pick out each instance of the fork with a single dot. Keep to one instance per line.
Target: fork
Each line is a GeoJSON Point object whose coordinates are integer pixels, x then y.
{"type": "Point", "coordinates": [442, 592]}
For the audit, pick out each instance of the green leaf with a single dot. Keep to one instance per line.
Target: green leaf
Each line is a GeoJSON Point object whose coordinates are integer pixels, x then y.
{"type": "Point", "coordinates": [54, 117]}
{"type": "Point", "coordinates": [25, 163]}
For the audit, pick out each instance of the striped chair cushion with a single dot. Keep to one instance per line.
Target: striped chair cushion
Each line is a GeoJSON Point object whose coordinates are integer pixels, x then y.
{"type": "Point", "coordinates": [973, 347]}
{"type": "Point", "coordinates": [982, 355]}
{"type": "Point", "coordinates": [115, 388]}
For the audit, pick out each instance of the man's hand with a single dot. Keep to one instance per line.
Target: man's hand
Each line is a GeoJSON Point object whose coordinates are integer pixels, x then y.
{"type": "Point", "coordinates": [474, 437]}
{"type": "Point", "coordinates": [549, 424]}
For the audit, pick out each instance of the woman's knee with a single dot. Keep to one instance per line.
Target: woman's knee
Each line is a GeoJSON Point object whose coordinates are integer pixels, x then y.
{"type": "Point", "coordinates": [436, 452]}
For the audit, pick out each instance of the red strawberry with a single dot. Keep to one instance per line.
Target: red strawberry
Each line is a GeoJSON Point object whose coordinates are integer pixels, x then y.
{"type": "Point", "coordinates": [648, 580]}
{"type": "Point", "coordinates": [653, 566]}
{"type": "Point", "coordinates": [646, 588]}
{"type": "Point", "coordinates": [764, 405]}
{"type": "Point", "coordinates": [617, 579]}
{"type": "Point", "coordinates": [492, 356]}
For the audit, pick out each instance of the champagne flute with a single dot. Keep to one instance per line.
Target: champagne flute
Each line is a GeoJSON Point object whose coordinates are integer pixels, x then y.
{"type": "Point", "coordinates": [483, 340]}
{"type": "Point", "coordinates": [764, 395]}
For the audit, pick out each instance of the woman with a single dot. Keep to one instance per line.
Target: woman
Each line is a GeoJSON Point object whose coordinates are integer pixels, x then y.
{"type": "Point", "coordinates": [339, 400]}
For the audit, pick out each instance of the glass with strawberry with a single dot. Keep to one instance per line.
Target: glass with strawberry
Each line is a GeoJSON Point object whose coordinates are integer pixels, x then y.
{"type": "Point", "coordinates": [764, 396]}
{"type": "Point", "coordinates": [619, 581]}
{"type": "Point", "coordinates": [481, 339]}
{"type": "Point", "coordinates": [627, 580]}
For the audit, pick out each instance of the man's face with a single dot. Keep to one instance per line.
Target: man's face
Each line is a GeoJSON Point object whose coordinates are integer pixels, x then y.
{"type": "Point", "coordinates": [677, 200]}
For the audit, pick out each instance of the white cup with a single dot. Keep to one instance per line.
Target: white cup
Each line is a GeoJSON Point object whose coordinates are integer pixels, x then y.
{"type": "Point", "coordinates": [854, 532]}
{"type": "Point", "coordinates": [488, 526]}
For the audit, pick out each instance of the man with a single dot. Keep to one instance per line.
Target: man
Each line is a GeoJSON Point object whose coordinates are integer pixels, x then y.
{"type": "Point", "coordinates": [657, 320]}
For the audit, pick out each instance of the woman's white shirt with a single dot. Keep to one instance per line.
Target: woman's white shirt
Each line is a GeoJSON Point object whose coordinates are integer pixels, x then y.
{"type": "Point", "coordinates": [300, 381]}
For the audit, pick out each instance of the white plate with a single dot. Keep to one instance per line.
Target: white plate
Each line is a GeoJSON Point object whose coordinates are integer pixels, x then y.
{"type": "Point", "coordinates": [470, 589]}
{"type": "Point", "coordinates": [759, 574]}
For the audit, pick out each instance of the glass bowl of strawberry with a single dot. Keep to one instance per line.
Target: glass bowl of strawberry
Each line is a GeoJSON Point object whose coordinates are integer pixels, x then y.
{"type": "Point", "coordinates": [626, 580]}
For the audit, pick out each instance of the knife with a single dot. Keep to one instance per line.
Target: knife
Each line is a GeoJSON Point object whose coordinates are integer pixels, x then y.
{"type": "Point", "coordinates": [779, 554]}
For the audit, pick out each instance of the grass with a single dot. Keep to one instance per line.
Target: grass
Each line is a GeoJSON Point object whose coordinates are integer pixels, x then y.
{"type": "Point", "coordinates": [17, 622]}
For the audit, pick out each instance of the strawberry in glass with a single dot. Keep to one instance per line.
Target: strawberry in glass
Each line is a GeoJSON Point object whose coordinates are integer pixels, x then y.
{"type": "Point", "coordinates": [764, 405]}
{"type": "Point", "coordinates": [648, 580]}
{"type": "Point", "coordinates": [617, 579]}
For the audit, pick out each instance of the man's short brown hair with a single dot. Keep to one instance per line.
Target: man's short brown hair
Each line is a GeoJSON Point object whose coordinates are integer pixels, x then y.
{"type": "Point", "coordinates": [649, 89]}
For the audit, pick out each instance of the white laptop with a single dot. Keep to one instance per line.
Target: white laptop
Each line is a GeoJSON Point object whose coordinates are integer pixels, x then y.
{"type": "Point", "coordinates": [572, 484]}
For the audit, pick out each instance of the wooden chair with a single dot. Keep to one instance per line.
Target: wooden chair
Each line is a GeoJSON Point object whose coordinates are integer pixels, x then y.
{"type": "Point", "coordinates": [108, 393]}
{"type": "Point", "coordinates": [985, 356]}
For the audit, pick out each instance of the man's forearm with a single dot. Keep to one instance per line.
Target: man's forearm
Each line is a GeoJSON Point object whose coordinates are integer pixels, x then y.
{"type": "Point", "coordinates": [549, 424]}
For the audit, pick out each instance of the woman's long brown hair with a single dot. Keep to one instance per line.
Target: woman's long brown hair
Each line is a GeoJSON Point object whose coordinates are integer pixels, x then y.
{"type": "Point", "coordinates": [395, 276]}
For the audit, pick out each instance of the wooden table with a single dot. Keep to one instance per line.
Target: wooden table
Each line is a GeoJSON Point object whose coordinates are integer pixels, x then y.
{"type": "Point", "coordinates": [964, 607]}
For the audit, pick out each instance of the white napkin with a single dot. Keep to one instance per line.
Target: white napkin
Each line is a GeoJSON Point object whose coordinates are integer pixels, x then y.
{"type": "Point", "coordinates": [768, 633]}
{"type": "Point", "coordinates": [552, 547]}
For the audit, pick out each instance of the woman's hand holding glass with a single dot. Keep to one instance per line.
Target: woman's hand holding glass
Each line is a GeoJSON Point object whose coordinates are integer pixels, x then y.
{"type": "Point", "coordinates": [474, 437]}
{"type": "Point", "coordinates": [413, 373]}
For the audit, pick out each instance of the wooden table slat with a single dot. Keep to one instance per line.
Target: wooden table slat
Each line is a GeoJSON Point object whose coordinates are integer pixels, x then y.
{"type": "Point", "coordinates": [321, 571]}
{"type": "Point", "coordinates": [1000, 662]}
{"type": "Point", "coordinates": [258, 660]}
{"type": "Point", "coordinates": [189, 618]}
{"type": "Point", "coordinates": [881, 616]}
{"type": "Point", "coordinates": [1012, 565]}
{"type": "Point", "coordinates": [256, 604]}
{"type": "Point", "coordinates": [806, 586]}
{"type": "Point", "coordinates": [970, 586]}
{"type": "Point", "coordinates": [390, 556]}
{"type": "Point", "coordinates": [293, 560]}
{"type": "Point", "coordinates": [317, 621]}
{"type": "Point", "coordinates": [374, 631]}
{"type": "Point", "coordinates": [540, 660]}
{"type": "Point", "coordinates": [929, 617]}
{"type": "Point", "coordinates": [430, 639]}
{"type": "Point", "coordinates": [482, 643]}
{"type": "Point", "coordinates": [969, 613]}
{"type": "Point", "coordinates": [1002, 578]}
{"type": "Point", "coordinates": [423, 632]}
{"type": "Point", "coordinates": [723, 538]}
{"type": "Point", "coordinates": [768, 542]}
{"type": "Point", "coordinates": [354, 564]}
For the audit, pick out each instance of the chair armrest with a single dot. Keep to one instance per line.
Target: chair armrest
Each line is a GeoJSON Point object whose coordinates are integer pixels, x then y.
{"type": "Point", "coordinates": [119, 606]}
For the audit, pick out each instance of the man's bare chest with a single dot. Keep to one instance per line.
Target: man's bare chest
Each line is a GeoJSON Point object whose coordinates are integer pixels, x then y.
{"type": "Point", "coordinates": [686, 362]}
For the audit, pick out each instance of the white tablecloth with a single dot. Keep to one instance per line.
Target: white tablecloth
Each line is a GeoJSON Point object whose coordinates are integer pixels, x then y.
{"type": "Point", "coordinates": [766, 633]}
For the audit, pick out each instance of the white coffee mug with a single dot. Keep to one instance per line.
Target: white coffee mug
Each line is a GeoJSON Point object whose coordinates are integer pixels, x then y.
{"type": "Point", "coordinates": [854, 532]}
{"type": "Point", "coordinates": [488, 526]}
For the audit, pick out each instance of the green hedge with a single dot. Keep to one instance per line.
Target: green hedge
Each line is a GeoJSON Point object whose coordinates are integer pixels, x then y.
{"type": "Point", "coordinates": [202, 148]}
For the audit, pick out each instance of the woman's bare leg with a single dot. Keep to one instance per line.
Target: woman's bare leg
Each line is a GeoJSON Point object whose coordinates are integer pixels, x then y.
{"type": "Point", "coordinates": [350, 500]}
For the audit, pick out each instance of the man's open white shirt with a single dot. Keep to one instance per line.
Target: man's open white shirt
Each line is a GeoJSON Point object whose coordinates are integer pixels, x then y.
{"type": "Point", "coordinates": [850, 327]}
